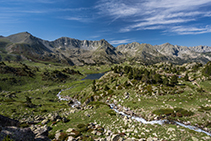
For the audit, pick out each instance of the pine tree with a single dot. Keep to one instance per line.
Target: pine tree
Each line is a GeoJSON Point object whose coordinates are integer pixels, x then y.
{"type": "Point", "coordinates": [158, 78]}
{"type": "Point", "coordinates": [115, 69]}
{"type": "Point", "coordinates": [186, 78]}
{"type": "Point", "coordinates": [94, 87]}
{"type": "Point", "coordinates": [106, 88]}
{"type": "Point", "coordinates": [165, 81]}
{"type": "Point", "coordinates": [174, 80]}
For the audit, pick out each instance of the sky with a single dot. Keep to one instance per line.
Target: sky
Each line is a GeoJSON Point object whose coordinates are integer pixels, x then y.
{"type": "Point", "coordinates": [180, 22]}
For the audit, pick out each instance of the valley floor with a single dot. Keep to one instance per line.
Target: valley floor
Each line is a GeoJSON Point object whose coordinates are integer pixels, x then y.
{"type": "Point", "coordinates": [29, 94]}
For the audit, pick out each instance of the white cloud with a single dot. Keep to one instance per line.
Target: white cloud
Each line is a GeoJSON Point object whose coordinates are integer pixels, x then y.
{"type": "Point", "coordinates": [115, 42]}
{"type": "Point", "coordinates": [184, 30]}
{"type": "Point", "coordinates": [79, 19]}
{"type": "Point", "coordinates": [154, 14]}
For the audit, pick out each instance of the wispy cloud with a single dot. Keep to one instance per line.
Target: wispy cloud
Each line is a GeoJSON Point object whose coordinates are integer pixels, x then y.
{"type": "Point", "coordinates": [31, 1]}
{"type": "Point", "coordinates": [185, 30]}
{"type": "Point", "coordinates": [116, 42]}
{"type": "Point", "coordinates": [79, 19]}
{"type": "Point", "coordinates": [155, 14]}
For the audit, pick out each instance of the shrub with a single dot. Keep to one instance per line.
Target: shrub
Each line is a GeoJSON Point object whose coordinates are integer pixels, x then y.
{"type": "Point", "coordinates": [178, 111]}
{"type": "Point", "coordinates": [63, 136]}
{"type": "Point", "coordinates": [24, 125]}
{"type": "Point", "coordinates": [7, 138]}
{"type": "Point", "coordinates": [111, 112]}
{"type": "Point", "coordinates": [77, 133]}
{"type": "Point", "coordinates": [110, 92]}
{"type": "Point", "coordinates": [51, 136]}
{"type": "Point", "coordinates": [183, 112]}
{"type": "Point", "coordinates": [202, 109]}
{"type": "Point", "coordinates": [81, 125]}
{"type": "Point", "coordinates": [163, 112]}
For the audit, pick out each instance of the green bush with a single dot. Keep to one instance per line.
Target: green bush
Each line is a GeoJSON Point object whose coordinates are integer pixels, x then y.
{"type": "Point", "coordinates": [97, 103]}
{"type": "Point", "coordinates": [183, 112]}
{"type": "Point", "coordinates": [81, 125]}
{"type": "Point", "coordinates": [110, 92]}
{"type": "Point", "coordinates": [63, 136]}
{"type": "Point", "coordinates": [163, 112]}
{"type": "Point", "coordinates": [202, 109]}
{"type": "Point", "coordinates": [7, 138]}
{"type": "Point", "coordinates": [24, 125]}
{"type": "Point", "coordinates": [111, 112]}
{"type": "Point", "coordinates": [179, 112]}
{"type": "Point", "coordinates": [51, 136]}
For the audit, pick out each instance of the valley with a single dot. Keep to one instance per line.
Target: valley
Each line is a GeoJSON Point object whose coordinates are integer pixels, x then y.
{"type": "Point", "coordinates": [69, 89]}
{"type": "Point", "coordinates": [162, 91]}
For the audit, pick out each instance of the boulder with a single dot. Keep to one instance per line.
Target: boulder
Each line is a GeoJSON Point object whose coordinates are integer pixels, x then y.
{"type": "Point", "coordinates": [17, 134]}
{"type": "Point", "coordinates": [41, 138]}
{"type": "Point", "coordinates": [54, 117]}
{"type": "Point", "coordinates": [41, 131]}
{"type": "Point", "coordinates": [65, 120]}
{"type": "Point", "coordinates": [5, 121]}
{"type": "Point", "coordinates": [194, 139]}
{"type": "Point", "coordinates": [69, 130]}
{"type": "Point", "coordinates": [115, 137]}
{"type": "Point", "coordinates": [70, 138]}
{"type": "Point", "coordinates": [45, 121]}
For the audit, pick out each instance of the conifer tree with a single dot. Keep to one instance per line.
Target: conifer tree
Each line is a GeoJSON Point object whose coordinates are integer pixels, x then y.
{"type": "Point", "coordinates": [174, 80]}
{"type": "Point", "coordinates": [186, 78]}
{"type": "Point", "coordinates": [165, 81]}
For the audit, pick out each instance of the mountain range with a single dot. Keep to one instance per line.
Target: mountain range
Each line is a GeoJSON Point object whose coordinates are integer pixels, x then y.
{"type": "Point", "coordinates": [81, 52]}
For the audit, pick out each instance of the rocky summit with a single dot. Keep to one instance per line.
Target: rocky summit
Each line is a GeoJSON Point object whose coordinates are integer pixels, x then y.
{"type": "Point", "coordinates": [24, 46]}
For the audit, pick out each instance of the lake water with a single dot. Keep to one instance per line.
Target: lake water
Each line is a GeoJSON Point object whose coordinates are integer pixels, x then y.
{"type": "Point", "coordinates": [94, 76]}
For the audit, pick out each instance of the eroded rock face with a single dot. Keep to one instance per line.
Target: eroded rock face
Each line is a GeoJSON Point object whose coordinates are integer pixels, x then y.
{"type": "Point", "coordinates": [17, 134]}
{"type": "Point", "coordinates": [5, 121]}
{"type": "Point", "coordinates": [9, 129]}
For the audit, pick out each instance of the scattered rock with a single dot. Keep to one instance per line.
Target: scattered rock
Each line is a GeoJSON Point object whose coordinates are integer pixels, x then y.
{"type": "Point", "coordinates": [115, 137]}
{"type": "Point", "coordinates": [70, 138]}
{"type": "Point", "coordinates": [194, 139]}
{"type": "Point", "coordinates": [45, 121]}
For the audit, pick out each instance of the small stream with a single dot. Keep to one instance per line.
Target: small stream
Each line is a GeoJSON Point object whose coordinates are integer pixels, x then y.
{"type": "Point", "coordinates": [161, 122]}
{"type": "Point", "coordinates": [112, 106]}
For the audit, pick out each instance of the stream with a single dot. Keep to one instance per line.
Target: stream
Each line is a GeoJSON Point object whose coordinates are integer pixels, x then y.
{"type": "Point", "coordinates": [142, 120]}
{"type": "Point", "coordinates": [139, 119]}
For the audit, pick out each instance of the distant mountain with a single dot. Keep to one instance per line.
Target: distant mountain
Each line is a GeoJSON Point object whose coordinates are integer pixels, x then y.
{"type": "Point", "coordinates": [165, 52]}
{"type": "Point", "coordinates": [62, 50]}
{"type": "Point", "coordinates": [80, 52]}
{"type": "Point", "coordinates": [201, 49]}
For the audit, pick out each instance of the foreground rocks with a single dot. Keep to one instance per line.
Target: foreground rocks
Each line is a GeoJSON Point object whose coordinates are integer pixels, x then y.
{"type": "Point", "coordinates": [9, 130]}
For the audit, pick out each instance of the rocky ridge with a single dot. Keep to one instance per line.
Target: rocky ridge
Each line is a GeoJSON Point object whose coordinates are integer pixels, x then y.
{"type": "Point", "coordinates": [81, 52]}
{"type": "Point", "coordinates": [201, 48]}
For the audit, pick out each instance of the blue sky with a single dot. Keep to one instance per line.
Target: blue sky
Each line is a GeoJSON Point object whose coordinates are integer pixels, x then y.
{"type": "Point", "coordinates": [180, 22]}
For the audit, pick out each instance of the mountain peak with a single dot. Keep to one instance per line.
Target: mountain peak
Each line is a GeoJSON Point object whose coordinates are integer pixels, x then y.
{"type": "Point", "coordinates": [166, 44]}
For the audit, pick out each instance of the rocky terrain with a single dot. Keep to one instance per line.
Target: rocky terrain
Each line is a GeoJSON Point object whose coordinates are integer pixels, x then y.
{"type": "Point", "coordinates": [201, 48]}
{"type": "Point", "coordinates": [24, 46]}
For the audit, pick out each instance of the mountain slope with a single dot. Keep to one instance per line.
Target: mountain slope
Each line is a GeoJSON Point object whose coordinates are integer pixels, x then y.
{"type": "Point", "coordinates": [80, 52]}
{"type": "Point", "coordinates": [201, 49]}
{"type": "Point", "coordinates": [62, 50]}
{"type": "Point", "coordinates": [165, 52]}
